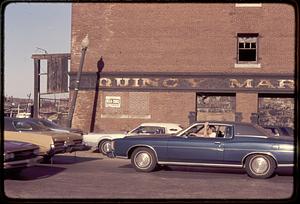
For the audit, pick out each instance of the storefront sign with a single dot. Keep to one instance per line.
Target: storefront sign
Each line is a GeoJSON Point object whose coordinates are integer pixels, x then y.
{"type": "Point", "coordinates": [175, 83]}
{"type": "Point", "coordinates": [190, 82]}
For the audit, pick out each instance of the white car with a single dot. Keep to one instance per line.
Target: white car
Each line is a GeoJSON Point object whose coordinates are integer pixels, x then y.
{"type": "Point", "coordinates": [102, 141]}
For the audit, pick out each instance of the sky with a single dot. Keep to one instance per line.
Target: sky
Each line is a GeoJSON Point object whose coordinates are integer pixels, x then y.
{"type": "Point", "coordinates": [27, 27]}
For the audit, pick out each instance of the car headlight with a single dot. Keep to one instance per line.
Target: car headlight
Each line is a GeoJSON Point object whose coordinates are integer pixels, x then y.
{"type": "Point", "coordinates": [8, 156]}
{"type": "Point", "coordinates": [65, 143]}
{"type": "Point", "coordinates": [52, 146]}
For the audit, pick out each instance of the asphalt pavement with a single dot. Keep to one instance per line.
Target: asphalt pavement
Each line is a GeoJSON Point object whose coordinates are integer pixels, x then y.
{"type": "Point", "coordinates": [92, 176]}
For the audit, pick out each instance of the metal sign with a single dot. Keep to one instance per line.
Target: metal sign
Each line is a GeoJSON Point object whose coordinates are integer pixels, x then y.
{"type": "Point", "coordinates": [113, 101]}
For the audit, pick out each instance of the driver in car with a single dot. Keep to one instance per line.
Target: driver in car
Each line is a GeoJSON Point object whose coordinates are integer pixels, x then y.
{"type": "Point", "coordinates": [206, 131]}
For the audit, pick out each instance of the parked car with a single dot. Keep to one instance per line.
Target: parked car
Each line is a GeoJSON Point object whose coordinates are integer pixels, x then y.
{"type": "Point", "coordinates": [74, 136]}
{"type": "Point", "coordinates": [237, 145]}
{"type": "Point", "coordinates": [54, 126]}
{"type": "Point", "coordinates": [49, 145]}
{"type": "Point", "coordinates": [22, 129]}
{"type": "Point", "coordinates": [19, 155]}
{"type": "Point", "coordinates": [102, 141]}
{"type": "Point", "coordinates": [280, 131]}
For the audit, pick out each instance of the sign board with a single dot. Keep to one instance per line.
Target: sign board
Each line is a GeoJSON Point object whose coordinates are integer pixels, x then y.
{"type": "Point", "coordinates": [112, 101]}
{"type": "Point", "coordinates": [198, 82]}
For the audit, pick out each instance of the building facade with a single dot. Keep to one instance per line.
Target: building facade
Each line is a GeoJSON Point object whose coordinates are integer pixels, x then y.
{"type": "Point", "coordinates": [179, 63]}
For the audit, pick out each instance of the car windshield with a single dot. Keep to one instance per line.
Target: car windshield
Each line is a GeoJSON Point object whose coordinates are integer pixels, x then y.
{"type": "Point", "coordinates": [29, 126]}
{"type": "Point", "coordinates": [49, 124]}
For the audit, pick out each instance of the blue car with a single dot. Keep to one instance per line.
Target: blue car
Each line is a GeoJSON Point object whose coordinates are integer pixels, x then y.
{"type": "Point", "coordinates": [234, 145]}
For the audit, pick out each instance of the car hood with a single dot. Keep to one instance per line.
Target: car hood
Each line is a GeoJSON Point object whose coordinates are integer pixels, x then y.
{"type": "Point", "coordinates": [13, 146]}
{"type": "Point", "coordinates": [61, 135]}
{"type": "Point", "coordinates": [42, 140]}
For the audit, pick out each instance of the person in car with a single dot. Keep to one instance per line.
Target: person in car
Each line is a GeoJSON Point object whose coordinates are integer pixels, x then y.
{"type": "Point", "coordinates": [206, 131]}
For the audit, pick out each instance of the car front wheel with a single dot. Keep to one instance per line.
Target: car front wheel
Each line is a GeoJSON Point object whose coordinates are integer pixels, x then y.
{"type": "Point", "coordinates": [143, 159]}
{"type": "Point", "coordinates": [260, 166]}
{"type": "Point", "coordinates": [104, 146]}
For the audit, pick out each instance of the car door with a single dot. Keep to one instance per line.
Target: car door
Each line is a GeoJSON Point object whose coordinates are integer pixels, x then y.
{"type": "Point", "coordinates": [195, 149]}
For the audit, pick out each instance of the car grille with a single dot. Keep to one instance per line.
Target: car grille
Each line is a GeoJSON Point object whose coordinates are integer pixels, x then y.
{"type": "Point", "coordinates": [58, 144]}
{"type": "Point", "coordinates": [21, 155]}
{"type": "Point", "coordinates": [79, 141]}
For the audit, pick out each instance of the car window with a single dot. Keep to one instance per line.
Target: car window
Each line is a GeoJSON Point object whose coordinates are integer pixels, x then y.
{"type": "Point", "coordinates": [49, 124]}
{"type": "Point", "coordinates": [28, 126]}
{"type": "Point", "coordinates": [149, 130]}
{"type": "Point", "coordinates": [22, 126]}
{"type": "Point", "coordinates": [193, 129]}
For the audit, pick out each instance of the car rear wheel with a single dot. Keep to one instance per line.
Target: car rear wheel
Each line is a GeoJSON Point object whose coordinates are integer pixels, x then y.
{"type": "Point", "coordinates": [143, 159]}
{"type": "Point", "coordinates": [104, 146]}
{"type": "Point", "coordinates": [260, 166]}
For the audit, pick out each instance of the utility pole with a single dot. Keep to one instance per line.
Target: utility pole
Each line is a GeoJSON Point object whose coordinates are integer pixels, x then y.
{"type": "Point", "coordinates": [36, 93]}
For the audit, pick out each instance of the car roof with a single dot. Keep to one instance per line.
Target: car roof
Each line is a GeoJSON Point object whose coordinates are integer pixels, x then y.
{"type": "Point", "coordinates": [241, 128]}
{"type": "Point", "coordinates": [160, 124]}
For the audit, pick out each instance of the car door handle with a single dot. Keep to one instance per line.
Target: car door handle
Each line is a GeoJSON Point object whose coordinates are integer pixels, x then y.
{"type": "Point", "coordinates": [218, 143]}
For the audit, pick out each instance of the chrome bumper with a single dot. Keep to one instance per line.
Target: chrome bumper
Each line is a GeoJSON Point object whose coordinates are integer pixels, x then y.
{"type": "Point", "coordinates": [77, 147]}
{"type": "Point", "coordinates": [22, 163]}
{"type": "Point", "coordinates": [57, 150]}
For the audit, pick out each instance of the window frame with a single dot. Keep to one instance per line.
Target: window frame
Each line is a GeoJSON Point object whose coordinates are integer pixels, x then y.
{"type": "Point", "coordinates": [248, 38]}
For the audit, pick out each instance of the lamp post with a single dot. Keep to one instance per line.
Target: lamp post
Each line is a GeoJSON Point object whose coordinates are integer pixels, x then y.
{"type": "Point", "coordinates": [84, 46]}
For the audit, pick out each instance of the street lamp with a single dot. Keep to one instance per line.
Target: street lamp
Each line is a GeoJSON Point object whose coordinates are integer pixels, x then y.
{"type": "Point", "coordinates": [84, 46]}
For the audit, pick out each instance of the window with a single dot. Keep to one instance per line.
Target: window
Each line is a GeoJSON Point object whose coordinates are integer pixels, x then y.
{"type": "Point", "coordinates": [22, 126]}
{"type": "Point", "coordinates": [247, 49]}
{"type": "Point", "coordinates": [149, 130]}
{"type": "Point", "coordinates": [247, 44]}
{"type": "Point", "coordinates": [247, 5]}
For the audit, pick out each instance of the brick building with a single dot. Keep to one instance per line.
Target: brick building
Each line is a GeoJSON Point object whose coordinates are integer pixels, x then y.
{"type": "Point", "coordinates": [183, 62]}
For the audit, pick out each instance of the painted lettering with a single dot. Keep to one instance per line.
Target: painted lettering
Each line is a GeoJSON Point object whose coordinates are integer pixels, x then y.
{"type": "Point", "coordinates": [265, 83]}
{"type": "Point", "coordinates": [284, 83]}
{"type": "Point", "coordinates": [123, 82]}
{"type": "Point", "coordinates": [135, 82]}
{"type": "Point", "coordinates": [150, 82]}
{"type": "Point", "coordinates": [170, 83]}
{"type": "Point", "coordinates": [194, 82]}
{"type": "Point", "coordinates": [105, 82]}
{"type": "Point", "coordinates": [235, 83]}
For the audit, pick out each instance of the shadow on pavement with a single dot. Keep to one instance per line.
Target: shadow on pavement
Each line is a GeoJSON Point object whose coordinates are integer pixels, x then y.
{"type": "Point", "coordinates": [203, 169]}
{"type": "Point", "coordinates": [35, 172]}
{"type": "Point", "coordinates": [193, 169]}
{"type": "Point", "coordinates": [71, 159]}
{"type": "Point", "coordinates": [285, 172]}
{"type": "Point", "coordinates": [280, 172]}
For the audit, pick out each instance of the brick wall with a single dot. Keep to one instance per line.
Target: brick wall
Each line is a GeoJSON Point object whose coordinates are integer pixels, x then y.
{"type": "Point", "coordinates": [174, 38]}
{"type": "Point", "coordinates": [181, 37]}
{"type": "Point", "coordinates": [155, 107]}
{"type": "Point", "coordinates": [246, 103]}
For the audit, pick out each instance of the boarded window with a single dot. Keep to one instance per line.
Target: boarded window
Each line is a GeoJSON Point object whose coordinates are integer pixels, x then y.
{"type": "Point", "coordinates": [57, 75]}
{"type": "Point", "coordinates": [276, 111]}
{"type": "Point", "coordinates": [219, 107]}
